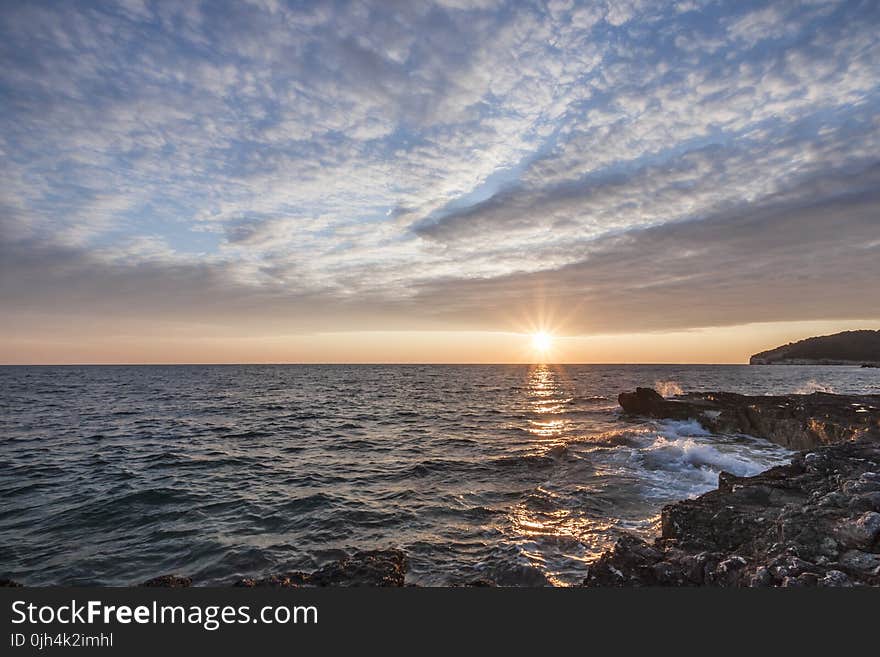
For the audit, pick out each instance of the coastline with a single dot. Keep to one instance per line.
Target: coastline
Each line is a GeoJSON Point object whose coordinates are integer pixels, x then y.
{"type": "Point", "coordinates": [814, 522]}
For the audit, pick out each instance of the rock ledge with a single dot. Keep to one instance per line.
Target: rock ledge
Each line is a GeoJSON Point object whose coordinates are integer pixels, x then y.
{"type": "Point", "coordinates": [794, 421]}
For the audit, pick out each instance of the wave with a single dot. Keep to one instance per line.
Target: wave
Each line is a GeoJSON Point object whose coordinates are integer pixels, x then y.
{"type": "Point", "coordinates": [678, 428]}
{"type": "Point", "coordinates": [812, 386]}
{"type": "Point", "coordinates": [668, 388]}
{"type": "Point", "coordinates": [686, 454]}
{"type": "Point", "coordinates": [683, 457]}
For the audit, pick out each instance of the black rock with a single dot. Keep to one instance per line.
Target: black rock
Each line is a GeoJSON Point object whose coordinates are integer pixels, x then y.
{"type": "Point", "coordinates": [793, 421]}
{"type": "Point", "coordinates": [291, 580]}
{"type": "Point", "coordinates": [169, 582]}
{"type": "Point", "coordinates": [370, 568]}
{"type": "Point", "coordinates": [644, 401]}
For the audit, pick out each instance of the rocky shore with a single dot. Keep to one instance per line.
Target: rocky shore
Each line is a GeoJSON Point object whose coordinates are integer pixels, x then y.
{"type": "Point", "coordinates": [369, 568]}
{"type": "Point", "coordinates": [794, 421]}
{"type": "Point", "coordinates": [815, 522]}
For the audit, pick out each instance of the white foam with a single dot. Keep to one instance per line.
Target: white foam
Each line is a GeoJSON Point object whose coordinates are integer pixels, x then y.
{"type": "Point", "coordinates": [685, 454]}
{"type": "Point", "coordinates": [812, 386]}
{"type": "Point", "coordinates": [684, 459]}
{"type": "Point", "coordinates": [668, 388]}
{"type": "Point", "coordinates": [679, 428]}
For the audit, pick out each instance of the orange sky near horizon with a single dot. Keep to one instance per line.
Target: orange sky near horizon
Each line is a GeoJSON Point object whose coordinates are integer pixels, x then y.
{"type": "Point", "coordinates": [732, 344]}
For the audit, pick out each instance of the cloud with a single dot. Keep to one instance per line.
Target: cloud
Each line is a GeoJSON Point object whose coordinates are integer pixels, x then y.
{"type": "Point", "coordinates": [385, 164]}
{"type": "Point", "coordinates": [811, 253]}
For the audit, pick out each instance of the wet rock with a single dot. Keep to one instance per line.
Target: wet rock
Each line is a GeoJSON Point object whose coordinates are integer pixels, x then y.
{"type": "Point", "coordinates": [761, 577]}
{"type": "Point", "coordinates": [861, 486]}
{"type": "Point", "coordinates": [862, 532]}
{"type": "Point", "coordinates": [169, 582]}
{"type": "Point", "coordinates": [372, 568]}
{"type": "Point", "coordinates": [787, 566]}
{"type": "Point", "coordinates": [728, 572]}
{"type": "Point", "coordinates": [647, 401]}
{"type": "Point", "coordinates": [801, 581]}
{"type": "Point", "coordinates": [865, 502]}
{"type": "Point", "coordinates": [669, 573]}
{"type": "Point", "coordinates": [835, 578]}
{"type": "Point", "coordinates": [630, 562]}
{"type": "Point", "coordinates": [834, 499]}
{"type": "Point", "coordinates": [828, 547]}
{"type": "Point", "coordinates": [794, 421]}
{"type": "Point", "coordinates": [10, 584]}
{"type": "Point", "coordinates": [481, 583]}
{"type": "Point", "coordinates": [506, 573]}
{"type": "Point", "coordinates": [861, 564]}
{"type": "Point", "coordinates": [292, 580]}
{"type": "Point", "coordinates": [727, 482]}
{"type": "Point", "coordinates": [369, 568]}
{"type": "Point", "coordinates": [693, 566]}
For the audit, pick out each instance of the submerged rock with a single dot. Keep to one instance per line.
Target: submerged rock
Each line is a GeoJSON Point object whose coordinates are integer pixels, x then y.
{"type": "Point", "coordinates": [370, 568]}
{"type": "Point", "coordinates": [506, 573]}
{"type": "Point", "coordinates": [169, 581]}
{"type": "Point", "coordinates": [291, 580]}
{"type": "Point", "coordinates": [793, 421]}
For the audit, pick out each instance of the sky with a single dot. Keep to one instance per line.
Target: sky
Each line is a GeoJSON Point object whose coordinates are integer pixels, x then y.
{"type": "Point", "coordinates": [267, 181]}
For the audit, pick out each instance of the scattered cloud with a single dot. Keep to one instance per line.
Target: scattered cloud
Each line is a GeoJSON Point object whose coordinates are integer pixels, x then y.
{"type": "Point", "coordinates": [409, 165]}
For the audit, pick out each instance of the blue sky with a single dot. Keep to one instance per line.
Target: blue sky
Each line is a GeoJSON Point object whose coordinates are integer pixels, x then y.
{"type": "Point", "coordinates": [385, 165]}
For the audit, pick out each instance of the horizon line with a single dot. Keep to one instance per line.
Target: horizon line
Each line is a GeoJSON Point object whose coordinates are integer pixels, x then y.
{"type": "Point", "coordinates": [373, 364]}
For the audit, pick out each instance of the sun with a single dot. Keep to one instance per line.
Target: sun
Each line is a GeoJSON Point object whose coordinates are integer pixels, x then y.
{"type": "Point", "coordinates": [541, 342]}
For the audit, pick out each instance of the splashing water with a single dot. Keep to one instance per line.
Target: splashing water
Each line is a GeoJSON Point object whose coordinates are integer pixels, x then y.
{"type": "Point", "coordinates": [812, 386]}
{"type": "Point", "coordinates": [668, 388]}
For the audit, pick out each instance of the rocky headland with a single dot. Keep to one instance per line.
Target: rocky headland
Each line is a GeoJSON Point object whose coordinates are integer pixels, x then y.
{"type": "Point", "coordinates": [814, 522]}
{"type": "Point", "coordinates": [846, 348]}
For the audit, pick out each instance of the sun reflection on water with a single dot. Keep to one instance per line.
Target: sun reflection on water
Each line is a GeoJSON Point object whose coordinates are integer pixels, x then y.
{"type": "Point", "coordinates": [544, 401]}
{"type": "Point", "coordinates": [541, 517]}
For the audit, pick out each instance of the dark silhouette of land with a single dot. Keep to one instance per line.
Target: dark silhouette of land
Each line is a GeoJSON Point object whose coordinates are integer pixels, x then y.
{"type": "Point", "coordinates": [847, 348]}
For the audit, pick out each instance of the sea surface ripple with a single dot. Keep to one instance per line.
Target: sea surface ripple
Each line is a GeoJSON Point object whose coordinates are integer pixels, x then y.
{"type": "Point", "coordinates": [521, 474]}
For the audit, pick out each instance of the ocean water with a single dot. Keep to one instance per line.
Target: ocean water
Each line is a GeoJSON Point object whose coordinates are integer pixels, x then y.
{"type": "Point", "coordinates": [111, 475]}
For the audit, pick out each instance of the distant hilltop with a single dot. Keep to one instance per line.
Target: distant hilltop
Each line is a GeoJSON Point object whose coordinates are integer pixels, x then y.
{"type": "Point", "coordinates": [847, 348]}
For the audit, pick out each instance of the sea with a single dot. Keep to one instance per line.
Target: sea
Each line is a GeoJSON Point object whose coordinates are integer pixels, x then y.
{"type": "Point", "coordinates": [523, 475]}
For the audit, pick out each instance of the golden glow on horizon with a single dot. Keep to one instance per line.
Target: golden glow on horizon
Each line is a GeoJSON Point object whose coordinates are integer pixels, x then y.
{"type": "Point", "coordinates": [87, 341]}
